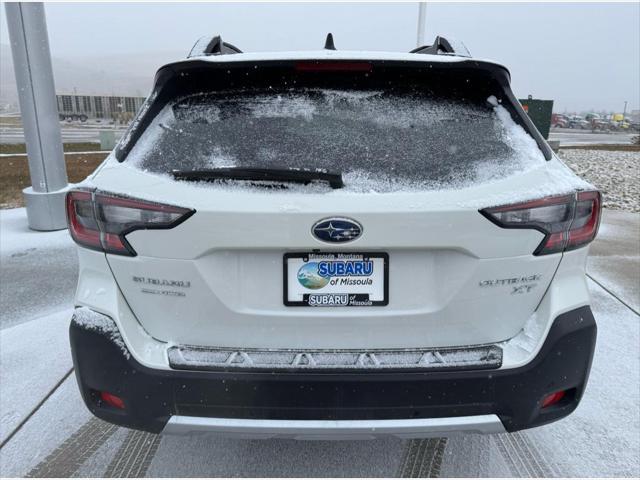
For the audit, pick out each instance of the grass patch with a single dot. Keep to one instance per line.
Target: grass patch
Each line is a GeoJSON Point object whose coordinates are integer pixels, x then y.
{"type": "Point", "coordinates": [67, 147]}
{"type": "Point", "coordinates": [14, 175]}
{"type": "Point", "coordinates": [11, 121]}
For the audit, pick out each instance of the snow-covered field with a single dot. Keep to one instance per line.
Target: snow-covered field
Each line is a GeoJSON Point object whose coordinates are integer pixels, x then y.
{"type": "Point", "coordinates": [615, 173]}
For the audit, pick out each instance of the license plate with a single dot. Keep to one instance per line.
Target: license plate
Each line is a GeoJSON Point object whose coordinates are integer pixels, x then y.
{"type": "Point", "coordinates": [321, 279]}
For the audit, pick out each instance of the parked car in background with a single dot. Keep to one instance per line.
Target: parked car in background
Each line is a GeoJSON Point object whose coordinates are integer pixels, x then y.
{"type": "Point", "coordinates": [578, 122]}
{"type": "Point", "coordinates": [598, 124]}
{"type": "Point", "coordinates": [559, 120]}
{"type": "Point", "coordinates": [624, 124]}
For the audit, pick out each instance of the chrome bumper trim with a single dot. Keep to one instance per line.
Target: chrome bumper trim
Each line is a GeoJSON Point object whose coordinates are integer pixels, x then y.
{"type": "Point", "coordinates": [333, 429]}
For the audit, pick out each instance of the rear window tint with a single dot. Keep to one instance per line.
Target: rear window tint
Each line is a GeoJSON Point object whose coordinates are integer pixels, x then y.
{"type": "Point", "coordinates": [379, 140]}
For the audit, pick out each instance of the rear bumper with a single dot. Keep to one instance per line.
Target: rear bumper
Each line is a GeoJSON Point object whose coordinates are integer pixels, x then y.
{"type": "Point", "coordinates": [337, 404]}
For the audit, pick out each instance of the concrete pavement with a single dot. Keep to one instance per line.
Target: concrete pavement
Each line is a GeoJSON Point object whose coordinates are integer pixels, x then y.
{"type": "Point", "coordinates": [614, 258]}
{"type": "Point", "coordinates": [575, 137]}
{"type": "Point", "coordinates": [39, 271]}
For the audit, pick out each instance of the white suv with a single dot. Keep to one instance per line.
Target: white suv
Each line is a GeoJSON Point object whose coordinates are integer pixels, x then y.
{"type": "Point", "coordinates": [332, 245]}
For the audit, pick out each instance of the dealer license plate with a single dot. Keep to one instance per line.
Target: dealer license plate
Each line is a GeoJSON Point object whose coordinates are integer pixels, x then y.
{"type": "Point", "coordinates": [344, 279]}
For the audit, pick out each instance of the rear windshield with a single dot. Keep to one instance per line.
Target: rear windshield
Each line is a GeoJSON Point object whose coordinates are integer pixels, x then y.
{"type": "Point", "coordinates": [379, 140]}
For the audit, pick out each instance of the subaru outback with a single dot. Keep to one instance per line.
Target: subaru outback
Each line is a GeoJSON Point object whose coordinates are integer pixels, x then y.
{"type": "Point", "coordinates": [332, 244]}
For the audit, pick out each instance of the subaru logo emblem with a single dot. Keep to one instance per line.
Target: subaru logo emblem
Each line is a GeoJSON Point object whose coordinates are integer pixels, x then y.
{"type": "Point", "coordinates": [337, 230]}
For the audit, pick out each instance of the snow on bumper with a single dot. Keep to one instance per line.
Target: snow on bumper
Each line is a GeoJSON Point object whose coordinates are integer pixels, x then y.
{"type": "Point", "coordinates": [157, 399]}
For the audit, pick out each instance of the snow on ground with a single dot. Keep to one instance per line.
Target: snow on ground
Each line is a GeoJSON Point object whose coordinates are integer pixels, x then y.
{"type": "Point", "coordinates": [16, 238]}
{"type": "Point", "coordinates": [39, 270]}
{"type": "Point", "coordinates": [34, 356]}
{"type": "Point", "coordinates": [62, 415]}
{"type": "Point", "coordinates": [208, 456]}
{"type": "Point", "coordinates": [474, 456]}
{"type": "Point", "coordinates": [602, 437]}
{"type": "Point", "coordinates": [614, 259]}
{"type": "Point", "coordinates": [615, 173]}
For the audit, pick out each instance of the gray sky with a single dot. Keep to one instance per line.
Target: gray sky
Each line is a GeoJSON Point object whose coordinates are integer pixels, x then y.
{"type": "Point", "coordinates": [584, 56]}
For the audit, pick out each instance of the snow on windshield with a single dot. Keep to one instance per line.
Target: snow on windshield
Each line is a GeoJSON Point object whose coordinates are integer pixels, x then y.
{"type": "Point", "coordinates": [380, 141]}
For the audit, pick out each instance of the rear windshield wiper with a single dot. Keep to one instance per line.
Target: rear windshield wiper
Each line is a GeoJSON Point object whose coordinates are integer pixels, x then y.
{"type": "Point", "coordinates": [293, 175]}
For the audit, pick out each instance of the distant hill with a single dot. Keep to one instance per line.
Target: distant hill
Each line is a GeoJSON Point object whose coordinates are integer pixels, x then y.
{"type": "Point", "coordinates": [130, 74]}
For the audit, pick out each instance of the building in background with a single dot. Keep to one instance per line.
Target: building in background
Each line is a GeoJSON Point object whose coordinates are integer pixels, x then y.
{"type": "Point", "coordinates": [84, 107]}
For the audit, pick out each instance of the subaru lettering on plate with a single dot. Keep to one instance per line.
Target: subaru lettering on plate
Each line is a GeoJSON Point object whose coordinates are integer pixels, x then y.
{"type": "Point", "coordinates": [336, 279]}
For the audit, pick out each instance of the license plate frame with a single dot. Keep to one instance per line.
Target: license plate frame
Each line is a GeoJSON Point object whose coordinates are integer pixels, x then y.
{"type": "Point", "coordinates": [376, 257]}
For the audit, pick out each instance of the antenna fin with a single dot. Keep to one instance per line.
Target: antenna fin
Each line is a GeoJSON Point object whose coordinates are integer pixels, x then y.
{"type": "Point", "coordinates": [328, 44]}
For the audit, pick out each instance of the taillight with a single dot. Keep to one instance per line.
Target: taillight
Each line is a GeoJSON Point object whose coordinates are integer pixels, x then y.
{"type": "Point", "coordinates": [586, 219]}
{"type": "Point", "coordinates": [568, 221]}
{"type": "Point", "coordinates": [100, 221]}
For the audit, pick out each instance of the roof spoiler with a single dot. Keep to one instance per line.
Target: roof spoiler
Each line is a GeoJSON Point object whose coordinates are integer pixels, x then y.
{"type": "Point", "coordinates": [443, 46]}
{"type": "Point", "coordinates": [206, 46]}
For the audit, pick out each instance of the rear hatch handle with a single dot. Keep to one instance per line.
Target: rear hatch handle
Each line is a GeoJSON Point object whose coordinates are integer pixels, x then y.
{"type": "Point", "coordinates": [288, 175]}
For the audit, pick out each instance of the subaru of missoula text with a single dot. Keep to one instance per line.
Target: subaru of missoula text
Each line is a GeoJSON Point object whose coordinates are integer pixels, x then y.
{"type": "Point", "coordinates": [332, 244]}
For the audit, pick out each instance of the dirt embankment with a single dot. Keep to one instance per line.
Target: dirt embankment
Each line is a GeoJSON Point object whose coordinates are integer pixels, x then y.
{"type": "Point", "coordinates": [14, 174]}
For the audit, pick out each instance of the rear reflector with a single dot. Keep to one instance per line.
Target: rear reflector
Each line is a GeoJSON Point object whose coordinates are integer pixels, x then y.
{"type": "Point", "coordinates": [112, 400]}
{"type": "Point", "coordinates": [553, 398]}
{"type": "Point", "coordinates": [100, 221]}
{"type": "Point", "coordinates": [321, 66]}
{"type": "Point", "coordinates": [567, 221]}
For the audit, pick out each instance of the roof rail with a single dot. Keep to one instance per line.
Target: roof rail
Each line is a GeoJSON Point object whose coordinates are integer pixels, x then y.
{"type": "Point", "coordinates": [443, 46]}
{"type": "Point", "coordinates": [212, 46]}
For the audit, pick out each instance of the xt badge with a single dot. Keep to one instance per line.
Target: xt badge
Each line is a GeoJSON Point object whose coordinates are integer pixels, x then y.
{"type": "Point", "coordinates": [522, 289]}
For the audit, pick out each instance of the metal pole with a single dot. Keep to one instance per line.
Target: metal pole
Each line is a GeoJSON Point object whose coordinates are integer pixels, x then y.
{"type": "Point", "coordinates": [422, 14]}
{"type": "Point", "coordinates": [39, 112]}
